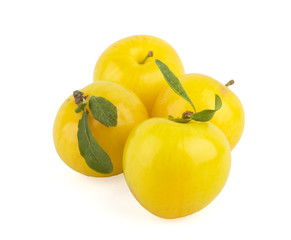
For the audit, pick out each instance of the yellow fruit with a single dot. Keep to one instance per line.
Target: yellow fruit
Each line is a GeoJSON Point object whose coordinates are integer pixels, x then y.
{"type": "Point", "coordinates": [130, 111]}
{"type": "Point", "coordinates": [122, 62]}
{"type": "Point", "coordinates": [202, 89]}
{"type": "Point", "coordinates": [176, 169]}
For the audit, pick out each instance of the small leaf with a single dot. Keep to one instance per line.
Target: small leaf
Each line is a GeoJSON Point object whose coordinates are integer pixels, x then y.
{"type": "Point", "coordinates": [95, 157]}
{"type": "Point", "coordinates": [218, 102]}
{"type": "Point", "coordinates": [81, 106]}
{"type": "Point", "coordinates": [207, 114]}
{"type": "Point", "coordinates": [179, 120]}
{"type": "Point", "coordinates": [203, 116]}
{"type": "Point", "coordinates": [173, 81]}
{"type": "Point", "coordinates": [103, 111]}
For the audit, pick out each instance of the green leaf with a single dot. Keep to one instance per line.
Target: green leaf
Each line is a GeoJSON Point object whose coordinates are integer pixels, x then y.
{"type": "Point", "coordinates": [81, 106]}
{"type": "Point", "coordinates": [173, 81]}
{"type": "Point", "coordinates": [218, 102]}
{"type": "Point", "coordinates": [103, 111]}
{"type": "Point", "coordinates": [179, 120]}
{"type": "Point", "coordinates": [203, 116]}
{"type": "Point", "coordinates": [95, 157]}
{"type": "Point", "coordinates": [207, 114]}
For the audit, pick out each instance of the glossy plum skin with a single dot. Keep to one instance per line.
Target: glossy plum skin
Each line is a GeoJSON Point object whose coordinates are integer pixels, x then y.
{"type": "Point", "coordinates": [201, 89]}
{"type": "Point", "coordinates": [130, 111]}
{"type": "Point", "coordinates": [122, 63]}
{"type": "Point", "coordinates": [176, 169]}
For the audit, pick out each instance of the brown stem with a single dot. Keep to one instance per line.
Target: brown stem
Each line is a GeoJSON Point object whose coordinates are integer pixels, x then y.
{"type": "Point", "coordinates": [229, 83]}
{"type": "Point", "coordinates": [79, 96]}
{"type": "Point", "coordinates": [187, 114]}
{"type": "Point", "coordinates": [150, 54]}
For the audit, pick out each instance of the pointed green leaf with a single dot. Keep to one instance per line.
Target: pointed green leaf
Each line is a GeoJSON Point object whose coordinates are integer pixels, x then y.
{"type": "Point", "coordinates": [218, 102]}
{"type": "Point", "coordinates": [207, 114]}
{"type": "Point", "coordinates": [203, 116]}
{"type": "Point", "coordinates": [81, 106]}
{"type": "Point", "coordinates": [95, 157]}
{"type": "Point", "coordinates": [179, 120]}
{"type": "Point", "coordinates": [173, 81]}
{"type": "Point", "coordinates": [103, 111]}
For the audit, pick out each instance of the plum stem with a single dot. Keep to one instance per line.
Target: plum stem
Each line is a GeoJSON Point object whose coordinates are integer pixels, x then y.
{"type": "Point", "coordinates": [186, 114]}
{"type": "Point", "coordinates": [150, 54]}
{"type": "Point", "coordinates": [229, 83]}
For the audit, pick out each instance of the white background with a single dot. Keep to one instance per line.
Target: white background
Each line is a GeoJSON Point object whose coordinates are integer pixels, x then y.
{"type": "Point", "coordinates": [49, 48]}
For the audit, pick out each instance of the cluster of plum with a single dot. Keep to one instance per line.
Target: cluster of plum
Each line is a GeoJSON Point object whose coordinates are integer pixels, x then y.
{"type": "Point", "coordinates": [170, 133]}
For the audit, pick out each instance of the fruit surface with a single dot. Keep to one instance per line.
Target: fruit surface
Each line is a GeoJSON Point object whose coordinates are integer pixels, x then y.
{"type": "Point", "coordinates": [176, 169]}
{"type": "Point", "coordinates": [122, 62]}
{"type": "Point", "coordinates": [201, 89]}
{"type": "Point", "coordinates": [130, 111]}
